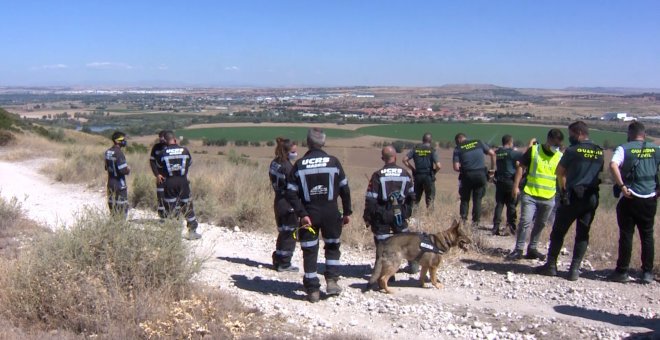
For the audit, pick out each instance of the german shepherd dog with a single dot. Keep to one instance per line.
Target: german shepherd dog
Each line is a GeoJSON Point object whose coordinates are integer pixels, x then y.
{"type": "Point", "coordinates": [408, 246]}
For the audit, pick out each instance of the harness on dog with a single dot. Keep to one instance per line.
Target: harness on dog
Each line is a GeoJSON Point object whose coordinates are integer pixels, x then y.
{"type": "Point", "coordinates": [426, 244]}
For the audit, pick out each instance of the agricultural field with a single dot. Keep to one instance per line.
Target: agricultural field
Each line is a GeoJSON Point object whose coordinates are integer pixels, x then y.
{"type": "Point", "coordinates": [259, 133]}
{"type": "Point", "coordinates": [490, 133]}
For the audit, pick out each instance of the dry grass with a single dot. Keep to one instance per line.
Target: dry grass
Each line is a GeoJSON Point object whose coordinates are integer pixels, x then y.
{"type": "Point", "coordinates": [229, 191]}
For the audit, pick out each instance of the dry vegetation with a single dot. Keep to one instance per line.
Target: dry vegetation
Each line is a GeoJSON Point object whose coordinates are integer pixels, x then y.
{"type": "Point", "coordinates": [112, 279]}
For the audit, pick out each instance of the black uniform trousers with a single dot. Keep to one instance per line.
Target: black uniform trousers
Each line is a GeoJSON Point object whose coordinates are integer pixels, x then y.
{"type": "Point", "coordinates": [503, 197]}
{"type": "Point", "coordinates": [472, 185]}
{"type": "Point", "coordinates": [581, 210]}
{"type": "Point", "coordinates": [326, 222]}
{"type": "Point", "coordinates": [424, 183]}
{"type": "Point", "coordinates": [160, 196]}
{"type": "Point", "coordinates": [177, 200]}
{"type": "Point", "coordinates": [118, 196]}
{"type": "Point", "coordinates": [640, 212]}
{"type": "Point", "coordinates": [286, 224]}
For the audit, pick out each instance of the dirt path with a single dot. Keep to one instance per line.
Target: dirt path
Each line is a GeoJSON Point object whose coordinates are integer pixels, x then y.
{"type": "Point", "coordinates": [46, 201]}
{"type": "Point", "coordinates": [483, 297]}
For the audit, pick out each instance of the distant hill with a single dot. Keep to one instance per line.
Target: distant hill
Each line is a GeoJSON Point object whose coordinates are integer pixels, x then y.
{"type": "Point", "coordinates": [612, 90]}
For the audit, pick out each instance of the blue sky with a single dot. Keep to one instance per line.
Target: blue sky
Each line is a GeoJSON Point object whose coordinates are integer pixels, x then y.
{"type": "Point", "coordinates": [550, 44]}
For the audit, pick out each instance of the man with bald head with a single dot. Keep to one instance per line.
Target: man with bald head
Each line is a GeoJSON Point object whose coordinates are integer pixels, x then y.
{"type": "Point", "coordinates": [389, 198]}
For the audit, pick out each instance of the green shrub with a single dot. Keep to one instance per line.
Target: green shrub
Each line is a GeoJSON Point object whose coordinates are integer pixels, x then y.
{"type": "Point", "coordinates": [136, 148]}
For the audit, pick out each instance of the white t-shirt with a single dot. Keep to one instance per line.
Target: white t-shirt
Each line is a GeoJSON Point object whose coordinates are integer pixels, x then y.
{"type": "Point", "coordinates": [618, 157]}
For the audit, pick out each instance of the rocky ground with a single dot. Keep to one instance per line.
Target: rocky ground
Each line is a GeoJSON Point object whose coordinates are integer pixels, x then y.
{"type": "Point", "coordinates": [483, 296]}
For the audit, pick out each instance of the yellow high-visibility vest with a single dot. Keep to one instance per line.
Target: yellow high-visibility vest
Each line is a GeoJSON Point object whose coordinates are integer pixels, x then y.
{"type": "Point", "coordinates": [541, 178]}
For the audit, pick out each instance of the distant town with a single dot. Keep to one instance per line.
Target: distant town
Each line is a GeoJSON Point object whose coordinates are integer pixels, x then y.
{"type": "Point", "coordinates": [81, 107]}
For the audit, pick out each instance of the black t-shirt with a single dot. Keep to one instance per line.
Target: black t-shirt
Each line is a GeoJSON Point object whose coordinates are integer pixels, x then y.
{"type": "Point", "coordinates": [506, 162]}
{"type": "Point", "coordinates": [583, 163]}
{"type": "Point", "coordinates": [470, 154]}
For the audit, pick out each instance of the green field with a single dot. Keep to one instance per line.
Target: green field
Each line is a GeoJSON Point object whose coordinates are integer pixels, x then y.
{"type": "Point", "coordinates": [490, 133]}
{"type": "Point", "coordinates": [259, 133]}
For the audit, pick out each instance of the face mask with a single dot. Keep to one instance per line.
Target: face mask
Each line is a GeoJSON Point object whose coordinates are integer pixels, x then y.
{"type": "Point", "coordinates": [292, 155]}
{"type": "Point", "coordinates": [573, 140]}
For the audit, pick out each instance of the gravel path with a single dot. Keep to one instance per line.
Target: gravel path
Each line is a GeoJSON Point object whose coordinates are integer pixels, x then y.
{"type": "Point", "coordinates": [483, 297]}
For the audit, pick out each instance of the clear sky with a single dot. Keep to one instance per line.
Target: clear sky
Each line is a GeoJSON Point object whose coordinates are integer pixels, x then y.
{"type": "Point", "coordinates": [518, 43]}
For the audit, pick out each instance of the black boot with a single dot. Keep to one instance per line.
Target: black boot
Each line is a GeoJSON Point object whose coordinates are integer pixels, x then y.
{"type": "Point", "coordinates": [549, 268]}
{"type": "Point", "coordinates": [578, 254]}
{"type": "Point", "coordinates": [574, 271]}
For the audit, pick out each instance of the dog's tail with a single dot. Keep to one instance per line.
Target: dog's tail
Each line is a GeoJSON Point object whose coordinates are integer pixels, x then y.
{"type": "Point", "coordinates": [378, 267]}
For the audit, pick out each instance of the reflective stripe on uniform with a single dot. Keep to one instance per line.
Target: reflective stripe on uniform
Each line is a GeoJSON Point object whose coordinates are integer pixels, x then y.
{"type": "Point", "coordinates": [121, 166]}
{"type": "Point", "coordinates": [191, 219]}
{"type": "Point", "coordinates": [371, 194]}
{"type": "Point", "coordinates": [169, 200]}
{"type": "Point", "coordinates": [331, 180]}
{"type": "Point", "coordinates": [283, 252]}
{"type": "Point", "coordinates": [343, 182]}
{"type": "Point", "coordinates": [331, 240]}
{"type": "Point", "coordinates": [332, 262]}
{"type": "Point", "coordinates": [383, 183]}
{"type": "Point", "coordinates": [309, 244]}
{"type": "Point", "coordinates": [292, 187]}
{"type": "Point", "coordinates": [381, 237]}
{"type": "Point", "coordinates": [160, 189]}
{"type": "Point", "coordinates": [311, 275]}
{"type": "Point", "coordinates": [286, 228]}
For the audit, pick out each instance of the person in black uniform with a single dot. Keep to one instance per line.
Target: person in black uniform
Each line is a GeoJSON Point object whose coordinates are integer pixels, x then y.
{"type": "Point", "coordinates": [469, 162]}
{"type": "Point", "coordinates": [507, 161]}
{"type": "Point", "coordinates": [286, 151]}
{"type": "Point", "coordinates": [314, 184]}
{"type": "Point", "coordinates": [389, 200]}
{"type": "Point", "coordinates": [156, 150]}
{"type": "Point", "coordinates": [578, 177]}
{"type": "Point", "coordinates": [634, 168]}
{"type": "Point", "coordinates": [427, 164]}
{"type": "Point", "coordinates": [117, 168]}
{"type": "Point", "coordinates": [175, 161]}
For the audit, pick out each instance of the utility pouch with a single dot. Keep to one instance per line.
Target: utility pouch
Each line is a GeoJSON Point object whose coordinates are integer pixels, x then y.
{"type": "Point", "coordinates": [396, 201]}
{"type": "Point", "coordinates": [578, 192]}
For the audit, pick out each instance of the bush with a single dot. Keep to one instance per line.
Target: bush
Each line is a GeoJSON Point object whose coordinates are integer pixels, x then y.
{"type": "Point", "coordinates": [214, 142]}
{"type": "Point", "coordinates": [270, 143]}
{"type": "Point", "coordinates": [136, 148]}
{"type": "Point", "coordinates": [400, 145]}
{"type": "Point", "coordinates": [143, 192]}
{"type": "Point", "coordinates": [56, 135]}
{"type": "Point", "coordinates": [234, 158]}
{"type": "Point", "coordinates": [78, 164]}
{"type": "Point", "coordinates": [6, 138]}
{"type": "Point", "coordinates": [95, 274]}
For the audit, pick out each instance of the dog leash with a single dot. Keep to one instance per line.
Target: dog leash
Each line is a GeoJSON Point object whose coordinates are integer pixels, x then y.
{"type": "Point", "coordinates": [307, 227]}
